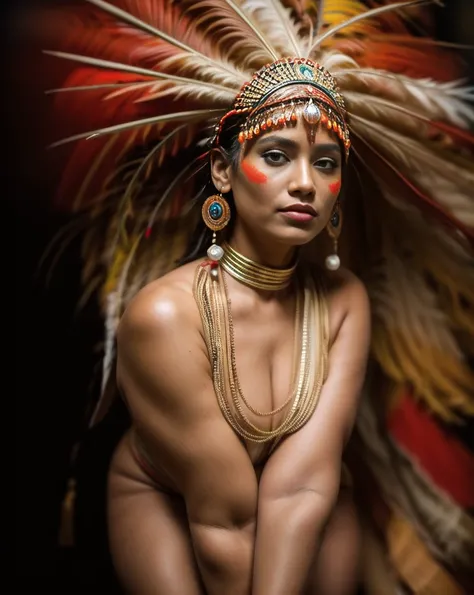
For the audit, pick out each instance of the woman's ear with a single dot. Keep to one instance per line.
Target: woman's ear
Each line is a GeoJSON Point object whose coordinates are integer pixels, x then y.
{"type": "Point", "coordinates": [221, 171]}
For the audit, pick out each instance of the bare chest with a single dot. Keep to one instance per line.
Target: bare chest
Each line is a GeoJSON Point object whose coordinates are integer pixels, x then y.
{"type": "Point", "coordinates": [264, 364]}
{"type": "Point", "coordinates": [264, 354]}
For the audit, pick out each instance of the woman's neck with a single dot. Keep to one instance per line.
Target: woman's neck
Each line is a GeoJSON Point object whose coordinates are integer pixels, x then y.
{"type": "Point", "coordinates": [271, 255]}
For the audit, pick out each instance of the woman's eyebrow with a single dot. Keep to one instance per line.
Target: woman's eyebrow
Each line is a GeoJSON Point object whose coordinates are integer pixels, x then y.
{"type": "Point", "coordinates": [327, 147]}
{"type": "Point", "coordinates": [291, 144]}
{"type": "Point", "coordinates": [280, 140]}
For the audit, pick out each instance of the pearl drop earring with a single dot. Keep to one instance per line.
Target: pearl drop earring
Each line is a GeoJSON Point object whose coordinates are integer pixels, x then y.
{"type": "Point", "coordinates": [333, 262]}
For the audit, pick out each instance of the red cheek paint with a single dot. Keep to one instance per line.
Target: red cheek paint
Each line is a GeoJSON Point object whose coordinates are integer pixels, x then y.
{"type": "Point", "coordinates": [335, 187]}
{"type": "Point", "coordinates": [252, 173]}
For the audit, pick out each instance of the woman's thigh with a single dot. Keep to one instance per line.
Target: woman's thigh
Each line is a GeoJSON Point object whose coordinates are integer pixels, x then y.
{"type": "Point", "coordinates": [336, 569]}
{"type": "Point", "coordinates": [149, 540]}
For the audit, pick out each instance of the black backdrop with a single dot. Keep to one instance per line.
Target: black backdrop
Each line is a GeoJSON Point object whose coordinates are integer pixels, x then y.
{"type": "Point", "coordinates": [56, 370]}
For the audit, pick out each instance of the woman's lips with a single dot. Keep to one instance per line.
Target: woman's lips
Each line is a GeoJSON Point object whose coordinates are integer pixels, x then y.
{"type": "Point", "coordinates": [298, 215]}
{"type": "Point", "coordinates": [299, 212]}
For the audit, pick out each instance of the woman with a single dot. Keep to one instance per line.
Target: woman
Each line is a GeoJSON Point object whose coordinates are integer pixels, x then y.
{"type": "Point", "coordinates": [242, 369]}
{"type": "Point", "coordinates": [285, 185]}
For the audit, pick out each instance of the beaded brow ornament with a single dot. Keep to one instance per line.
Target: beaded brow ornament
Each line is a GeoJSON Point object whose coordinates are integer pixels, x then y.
{"type": "Point", "coordinates": [321, 101]}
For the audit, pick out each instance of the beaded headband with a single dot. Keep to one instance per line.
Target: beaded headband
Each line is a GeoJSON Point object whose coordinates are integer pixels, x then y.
{"type": "Point", "coordinates": [319, 102]}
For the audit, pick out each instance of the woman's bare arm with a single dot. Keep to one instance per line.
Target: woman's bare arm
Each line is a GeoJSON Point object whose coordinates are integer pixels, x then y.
{"type": "Point", "coordinates": [164, 371]}
{"type": "Point", "coordinates": [300, 482]}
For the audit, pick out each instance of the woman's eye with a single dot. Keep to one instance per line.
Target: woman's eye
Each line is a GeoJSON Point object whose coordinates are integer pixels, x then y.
{"type": "Point", "coordinates": [326, 163]}
{"type": "Point", "coordinates": [275, 157]}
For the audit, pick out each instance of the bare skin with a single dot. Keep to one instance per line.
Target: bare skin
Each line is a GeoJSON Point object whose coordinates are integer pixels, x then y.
{"type": "Point", "coordinates": [219, 516]}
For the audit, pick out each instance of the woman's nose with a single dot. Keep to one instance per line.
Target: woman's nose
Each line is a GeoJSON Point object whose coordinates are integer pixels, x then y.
{"type": "Point", "coordinates": [302, 180]}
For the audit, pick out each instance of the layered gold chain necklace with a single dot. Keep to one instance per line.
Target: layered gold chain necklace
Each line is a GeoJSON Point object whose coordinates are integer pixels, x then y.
{"type": "Point", "coordinates": [310, 359]}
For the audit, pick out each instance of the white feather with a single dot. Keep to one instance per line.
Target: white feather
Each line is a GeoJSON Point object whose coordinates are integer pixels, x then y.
{"type": "Point", "coordinates": [438, 101]}
{"type": "Point", "coordinates": [191, 90]}
{"type": "Point", "coordinates": [230, 77]}
{"type": "Point", "coordinates": [335, 61]}
{"type": "Point", "coordinates": [278, 24]}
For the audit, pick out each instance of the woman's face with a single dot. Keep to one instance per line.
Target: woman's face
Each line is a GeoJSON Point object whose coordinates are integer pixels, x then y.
{"type": "Point", "coordinates": [287, 183]}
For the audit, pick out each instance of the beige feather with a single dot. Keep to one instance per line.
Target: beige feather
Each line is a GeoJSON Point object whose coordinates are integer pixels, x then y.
{"type": "Point", "coordinates": [336, 62]}
{"type": "Point", "coordinates": [186, 86]}
{"type": "Point", "coordinates": [424, 154]}
{"type": "Point", "coordinates": [228, 30]}
{"type": "Point", "coordinates": [413, 338]}
{"type": "Point", "coordinates": [451, 266]}
{"type": "Point", "coordinates": [438, 101]}
{"type": "Point", "coordinates": [278, 25]}
{"type": "Point", "coordinates": [426, 171]}
{"type": "Point", "coordinates": [156, 120]}
{"type": "Point", "coordinates": [157, 152]}
{"type": "Point", "coordinates": [407, 119]}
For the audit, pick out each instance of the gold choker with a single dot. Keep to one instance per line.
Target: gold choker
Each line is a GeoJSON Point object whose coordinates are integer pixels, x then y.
{"type": "Point", "coordinates": [253, 274]}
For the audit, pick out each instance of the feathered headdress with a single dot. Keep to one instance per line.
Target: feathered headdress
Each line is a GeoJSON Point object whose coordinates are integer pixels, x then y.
{"type": "Point", "coordinates": [151, 81]}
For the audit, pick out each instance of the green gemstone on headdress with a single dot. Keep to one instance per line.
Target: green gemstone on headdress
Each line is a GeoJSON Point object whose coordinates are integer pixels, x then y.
{"type": "Point", "coordinates": [306, 71]}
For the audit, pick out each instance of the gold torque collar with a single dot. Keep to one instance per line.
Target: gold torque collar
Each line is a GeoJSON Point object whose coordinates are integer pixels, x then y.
{"type": "Point", "coordinates": [252, 273]}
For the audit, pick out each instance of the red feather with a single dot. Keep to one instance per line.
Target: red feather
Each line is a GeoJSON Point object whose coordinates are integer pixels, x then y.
{"type": "Point", "coordinates": [88, 31]}
{"type": "Point", "coordinates": [93, 109]}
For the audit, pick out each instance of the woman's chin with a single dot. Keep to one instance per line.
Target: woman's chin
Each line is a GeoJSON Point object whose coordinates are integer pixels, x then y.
{"type": "Point", "coordinates": [295, 236]}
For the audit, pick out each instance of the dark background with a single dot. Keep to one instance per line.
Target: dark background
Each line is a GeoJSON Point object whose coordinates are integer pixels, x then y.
{"type": "Point", "coordinates": [57, 362]}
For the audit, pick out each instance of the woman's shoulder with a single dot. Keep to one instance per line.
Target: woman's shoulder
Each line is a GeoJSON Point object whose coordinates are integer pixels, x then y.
{"type": "Point", "coordinates": [345, 285]}
{"type": "Point", "coordinates": [164, 305]}
{"type": "Point", "coordinates": [348, 299]}
{"type": "Point", "coordinates": [341, 286]}
{"type": "Point", "coordinates": [346, 296]}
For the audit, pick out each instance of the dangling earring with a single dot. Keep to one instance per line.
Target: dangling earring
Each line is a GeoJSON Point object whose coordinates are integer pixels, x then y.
{"type": "Point", "coordinates": [216, 215]}
{"type": "Point", "coordinates": [333, 262]}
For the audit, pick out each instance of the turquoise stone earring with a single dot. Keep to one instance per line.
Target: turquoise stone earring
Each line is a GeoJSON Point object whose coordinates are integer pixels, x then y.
{"type": "Point", "coordinates": [216, 215]}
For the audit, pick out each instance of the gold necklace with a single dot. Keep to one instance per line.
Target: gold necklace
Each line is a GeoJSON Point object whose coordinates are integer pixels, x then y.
{"type": "Point", "coordinates": [310, 362]}
{"type": "Point", "coordinates": [252, 273]}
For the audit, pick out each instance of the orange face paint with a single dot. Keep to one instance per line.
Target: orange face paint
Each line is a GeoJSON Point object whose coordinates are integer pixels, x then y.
{"type": "Point", "coordinates": [335, 187]}
{"type": "Point", "coordinates": [252, 173]}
